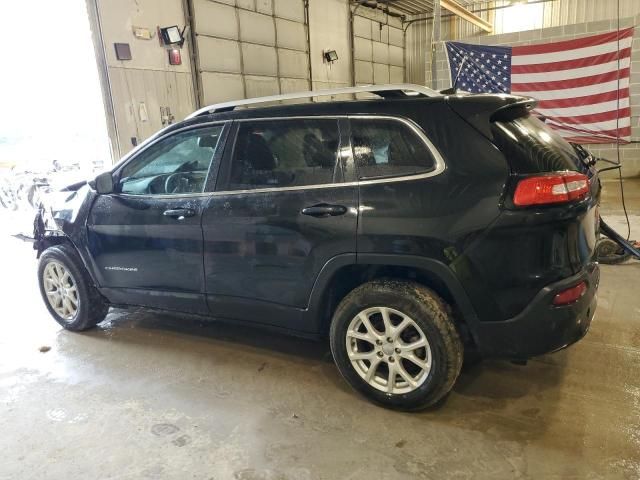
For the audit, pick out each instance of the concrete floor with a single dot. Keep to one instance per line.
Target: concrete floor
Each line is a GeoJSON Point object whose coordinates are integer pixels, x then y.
{"type": "Point", "coordinates": [155, 396]}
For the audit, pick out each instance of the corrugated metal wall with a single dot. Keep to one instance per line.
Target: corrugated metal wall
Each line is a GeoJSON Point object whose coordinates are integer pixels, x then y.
{"type": "Point", "coordinates": [249, 48]}
{"type": "Point", "coordinates": [555, 13]}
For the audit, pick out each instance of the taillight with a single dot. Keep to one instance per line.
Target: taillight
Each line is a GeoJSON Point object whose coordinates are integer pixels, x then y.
{"type": "Point", "coordinates": [558, 187]}
{"type": "Point", "coordinates": [570, 295]}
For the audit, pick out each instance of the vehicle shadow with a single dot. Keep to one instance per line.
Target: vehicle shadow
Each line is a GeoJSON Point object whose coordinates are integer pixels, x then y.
{"type": "Point", "coordinates": [512, 402]}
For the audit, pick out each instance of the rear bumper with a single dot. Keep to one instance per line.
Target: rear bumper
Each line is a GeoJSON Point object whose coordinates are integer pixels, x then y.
{"type": "Point", "coordinates": [542, 327]}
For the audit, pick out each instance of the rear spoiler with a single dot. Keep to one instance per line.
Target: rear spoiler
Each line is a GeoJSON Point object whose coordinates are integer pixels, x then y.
{"type": "Point", "coordinates": [481, 110]}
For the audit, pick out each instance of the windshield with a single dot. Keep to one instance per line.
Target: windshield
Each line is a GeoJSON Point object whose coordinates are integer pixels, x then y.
{"type": "Point", "coordinates": [532, 147]}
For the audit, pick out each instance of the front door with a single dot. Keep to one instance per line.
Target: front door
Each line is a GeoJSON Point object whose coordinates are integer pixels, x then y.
{"type": "Point", "coordinates": [281, 211]}
{"type": "Point", "coordinates": [146, 238]}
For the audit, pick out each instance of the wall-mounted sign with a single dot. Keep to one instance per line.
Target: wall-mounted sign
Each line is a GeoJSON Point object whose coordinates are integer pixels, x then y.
{"type": "Point", "coordinates": [142, 33]}
{"type": "Point", "coordinates": [123, 51]}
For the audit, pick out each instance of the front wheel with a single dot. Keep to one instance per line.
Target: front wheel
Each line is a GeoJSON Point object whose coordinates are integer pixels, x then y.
{"type": "Point", "coordinates": [395, 342]}
{"type": "Point", "coordinates": [67, 290]}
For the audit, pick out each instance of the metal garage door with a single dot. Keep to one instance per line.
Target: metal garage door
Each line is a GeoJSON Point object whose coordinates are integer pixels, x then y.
{"type": "Point", "coordinates": [249, 48]}
{"type": "Point", "coordinates": [378, 48]}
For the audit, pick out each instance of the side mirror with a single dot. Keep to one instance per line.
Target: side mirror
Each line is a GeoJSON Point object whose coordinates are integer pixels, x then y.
{"type": "Point", "coordinates": [104, 183]}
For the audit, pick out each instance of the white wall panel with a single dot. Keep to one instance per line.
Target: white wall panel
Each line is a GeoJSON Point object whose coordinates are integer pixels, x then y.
{"type": "Point", "coordinates": [146, 82]}
{"type": "Point", "coordinates": [396, 74]}
{"type": "Point", "coordinates": [289, 9]}
{"type": "Point", "coordinates": [329, 30]}
{"type": "Point", "coordinates": [210, 58]}
{"type": "Point", "coordinates": [380, 73]}
{"type": "Point", "coordinates": [257, 28]}
{"type": "Point", "coordinates": [363, 49]}
{"type": "Point", "coordinates": [396, 37]}
{"type": "Point", "coordinates": [378, 41]}
{"type": "Point", "coordinates": [264, 6]}
{"type": "Point", "coordinates": [219, 87]}
{"type": "Point", "coordinates": [292, 85]}
{"type": "Point", "coordinates": [261, 86]}
{"type": "Point", "coordinates": [259, 60]}
{"type": "Point", "coordinates": [361, 27]}
{"type": "Point", "coordinates": [213, 18]}
{"type": "Point", "coordinates": [375, 31]}
{"type": "Point", "coordinates": [364, 72]}
{"type": "Point", "coordinates": [293, 64]}
{"type": "Point", "coordinates": [246, 4]}
{"type": "Point", "coordinates": [380, 52]}
{"type": "Point", "coordinates": [116, 20]}
{"type": "Point", "coordinates": [271, 47]}
{"type": "Point", "coordinates": [384, 34]}
{"type": "Point", "coordinates": [396, 56]}
{"type": "Point", "coordinates": [291, 34]}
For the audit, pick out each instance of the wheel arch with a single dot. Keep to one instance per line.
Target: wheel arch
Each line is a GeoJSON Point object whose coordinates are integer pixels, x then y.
{"type": "Point", "coordinates": [45, 240]}
{"type": "Point", "coordinates": [344, 273]}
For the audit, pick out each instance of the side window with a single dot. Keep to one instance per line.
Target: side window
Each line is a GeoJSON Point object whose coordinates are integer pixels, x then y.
{"type": "Point", "coordinates": [285, 153]}
{"type": "Point", "coordinates": [388, 148]}
{"type": "Point", "coordinates": [177, 164]}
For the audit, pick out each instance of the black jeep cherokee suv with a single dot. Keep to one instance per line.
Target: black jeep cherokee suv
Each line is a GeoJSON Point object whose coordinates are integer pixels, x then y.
{"type": "Point", "coordinates": [407, 228]}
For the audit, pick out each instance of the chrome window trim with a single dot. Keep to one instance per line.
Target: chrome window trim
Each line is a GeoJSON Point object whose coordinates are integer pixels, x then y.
{"type": "Point", "coordinates": [440, 165]}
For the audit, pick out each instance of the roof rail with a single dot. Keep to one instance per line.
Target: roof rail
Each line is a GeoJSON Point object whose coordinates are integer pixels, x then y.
{"type": "Point", "coordinates": [384, 91]}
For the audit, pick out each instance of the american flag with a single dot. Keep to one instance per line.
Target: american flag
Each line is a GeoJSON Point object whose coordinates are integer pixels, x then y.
{"type": "Point", "coordinates": [582, 85]}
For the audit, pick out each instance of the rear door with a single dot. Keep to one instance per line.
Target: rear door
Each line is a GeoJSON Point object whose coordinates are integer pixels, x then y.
{"type": "Point", "coordinates": [146, 237]}
{"type": "Point", "coordinates": [282, 209]}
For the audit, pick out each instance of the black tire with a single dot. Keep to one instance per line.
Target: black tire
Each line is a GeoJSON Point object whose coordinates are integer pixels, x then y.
{"type": "Point", "coordinates": [433, 317]}
{"type": "Point", "coordinates": [92, 308]}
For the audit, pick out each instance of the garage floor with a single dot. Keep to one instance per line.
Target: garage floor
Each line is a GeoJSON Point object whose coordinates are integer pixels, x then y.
{"type": "Point", "coordinates": [154, 396]}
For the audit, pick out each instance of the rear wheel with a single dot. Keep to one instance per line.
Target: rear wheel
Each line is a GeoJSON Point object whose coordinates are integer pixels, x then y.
{"type": "Point", "coordinates": [395, 342]}
{"type": "Point", "coordinates": [67, 290]}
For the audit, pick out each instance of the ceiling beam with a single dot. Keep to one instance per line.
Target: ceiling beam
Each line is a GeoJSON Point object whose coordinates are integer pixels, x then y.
{"type": "Point", "coordinates": [462, 12]}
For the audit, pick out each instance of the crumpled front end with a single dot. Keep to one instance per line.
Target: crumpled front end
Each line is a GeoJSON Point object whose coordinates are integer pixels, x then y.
{"type": "Point", "coordinates": [62, 215]}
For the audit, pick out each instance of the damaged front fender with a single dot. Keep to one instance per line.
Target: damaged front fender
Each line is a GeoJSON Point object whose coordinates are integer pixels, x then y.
{"type": "Point", "coordinates": [62, 216]}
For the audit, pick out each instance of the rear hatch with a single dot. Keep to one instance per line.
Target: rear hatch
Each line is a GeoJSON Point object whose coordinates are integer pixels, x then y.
{"type": "Point", "coordinates": [548, 225]}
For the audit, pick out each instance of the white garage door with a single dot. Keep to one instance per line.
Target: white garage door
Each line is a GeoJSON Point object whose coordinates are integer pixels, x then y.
{"type": "Point", "coordinates": [249, 48]}
{"type": "Point", "coordinates": [378, 48]}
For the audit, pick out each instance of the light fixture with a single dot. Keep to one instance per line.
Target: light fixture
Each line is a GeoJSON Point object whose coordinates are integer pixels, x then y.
{"type": "Point", "coordinates": [172, 35]}
{"type": "Point", "coordinates": [330, 56]}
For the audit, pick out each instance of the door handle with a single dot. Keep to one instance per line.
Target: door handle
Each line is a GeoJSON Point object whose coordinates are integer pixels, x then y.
{"type": "Point", "coordinates": [180, 213]}
{"type": "Point", "coordinates": [324, 210]}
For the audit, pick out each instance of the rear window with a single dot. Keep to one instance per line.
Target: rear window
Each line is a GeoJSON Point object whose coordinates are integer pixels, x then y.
{"type": "Point", "coordinates": [388, 148]}
{"type": "Point", "coordinates": [531, 147]}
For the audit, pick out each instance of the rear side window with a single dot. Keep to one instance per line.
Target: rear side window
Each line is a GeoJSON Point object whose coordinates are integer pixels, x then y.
{"type": "Point", "coordinates": [531, 147]}
{"type": "Point", "coordinates": [285, 153]}
{"type": "Point", "coordinates": [388, 148]}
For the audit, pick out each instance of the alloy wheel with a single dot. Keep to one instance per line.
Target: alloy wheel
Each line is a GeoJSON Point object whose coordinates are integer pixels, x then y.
{"type": "Point", "coordinates": [61, 290]}
{"type": "Point", "coordinates": [388, 350]}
